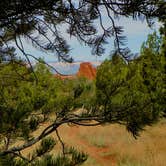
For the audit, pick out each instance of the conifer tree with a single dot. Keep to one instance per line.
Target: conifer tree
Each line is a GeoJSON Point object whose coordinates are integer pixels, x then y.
{"type": "Point", "coordinates": [35, 20]}
{"type": "Point", "coordinates": [131, 94]}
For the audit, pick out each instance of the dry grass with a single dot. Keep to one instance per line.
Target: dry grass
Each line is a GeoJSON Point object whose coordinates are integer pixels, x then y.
{"type": "Point", "coordinates": [114, 145]}
{"type": "Point", "coordinates": [148, 150]}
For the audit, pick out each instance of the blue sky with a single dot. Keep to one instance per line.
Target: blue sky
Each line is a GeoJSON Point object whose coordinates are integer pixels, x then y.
{"type": "Point", "coordinates": [136, 32]}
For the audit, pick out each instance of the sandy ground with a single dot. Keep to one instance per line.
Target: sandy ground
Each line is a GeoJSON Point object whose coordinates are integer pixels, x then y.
{"type": "Point", "coordinates": [109, 145]}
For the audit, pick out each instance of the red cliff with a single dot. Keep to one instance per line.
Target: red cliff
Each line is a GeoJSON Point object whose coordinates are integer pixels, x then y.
{"type": "Point", "coordinates": [87, 70]}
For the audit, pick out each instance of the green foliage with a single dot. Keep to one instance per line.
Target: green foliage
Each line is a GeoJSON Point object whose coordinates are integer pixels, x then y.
{"type": "Point", "coordinates": [16, 99]}
{"type": "Point", "coordinates": [153, 43]}
{"type": "Point", "coordinates": [84, 93]}
{"type": "Point", "coordinates": [133, 93]}
{"type": "Point", "coordinates": [42, 157]}
{"type": "Point", "coordinates": [72, 158]}
{"type": "Point", "coordinates": [46, 146]}
{"type": "Point", "coordinates": [159, 62]}
{"type": "Point", "coordinates": [24, 104]}
{"type": "Point", "coordinates": [77, 157]}
{"type": "Point", "coordinates": [38, 20]}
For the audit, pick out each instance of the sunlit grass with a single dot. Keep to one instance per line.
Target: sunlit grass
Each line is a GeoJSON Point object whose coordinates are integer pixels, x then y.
{"type": "Point", "coordinates": [148, 150]}
{"type": "Point", "coordinates": [114, 143]}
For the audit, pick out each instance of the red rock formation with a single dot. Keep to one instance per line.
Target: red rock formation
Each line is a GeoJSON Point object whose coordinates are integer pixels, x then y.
{"type": "Point", "coordinates": [86, 70]}
{"type": "Point", "coordinates": [63, 77]}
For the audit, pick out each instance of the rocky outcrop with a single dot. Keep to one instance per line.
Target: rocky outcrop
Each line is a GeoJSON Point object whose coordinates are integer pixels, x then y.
{"type": "Point", "coordinates": [63, 77]}
{"type": "Point", "coordinates": [86, 70]}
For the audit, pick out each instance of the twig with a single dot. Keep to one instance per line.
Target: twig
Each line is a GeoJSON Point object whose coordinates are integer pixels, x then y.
{"type": "Point", "coordinates": [62, 143]}
{"type": "Point", "coordinates": [49, 130]}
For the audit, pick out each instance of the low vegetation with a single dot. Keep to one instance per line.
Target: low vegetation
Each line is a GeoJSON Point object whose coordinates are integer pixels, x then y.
{"type": "Point", "coordinates": [123, 150]}
{"type": "Point", "coordinates": [129, 94]}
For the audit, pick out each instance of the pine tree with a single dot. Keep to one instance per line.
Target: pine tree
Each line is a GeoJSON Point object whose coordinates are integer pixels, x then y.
{"type": "Point", "coordinates": [24, 105]}
{"type": "Point", "coordinates": [131, 94]}
{"type": "Point", "coordinates": [35, 20]}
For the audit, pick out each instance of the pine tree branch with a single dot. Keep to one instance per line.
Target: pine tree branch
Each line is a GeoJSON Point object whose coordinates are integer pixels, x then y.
{"type": "Point", "coordinates": [61, 142]}
{"type": "Point", "coordinates": [51, 128]}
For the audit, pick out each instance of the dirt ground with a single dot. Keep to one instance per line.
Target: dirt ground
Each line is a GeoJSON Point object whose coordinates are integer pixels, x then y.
{"type": "Point", "coordinates": [93, 151]}
{"type": "Point", "coordinates": [112, 145]}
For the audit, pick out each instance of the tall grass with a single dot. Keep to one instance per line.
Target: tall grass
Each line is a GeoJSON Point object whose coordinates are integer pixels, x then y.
{"type": "Point", "coordinates": [148, 150]}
